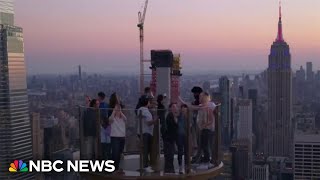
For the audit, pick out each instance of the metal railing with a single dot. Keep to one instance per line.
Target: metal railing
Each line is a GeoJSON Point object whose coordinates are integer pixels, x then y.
{"type": "Point", "coordinates": [134, 142]}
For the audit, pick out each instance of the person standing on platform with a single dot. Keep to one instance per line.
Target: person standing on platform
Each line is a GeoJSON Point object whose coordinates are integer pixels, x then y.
{"type": "Point", "coordinates": [182, 141]}
{"type": "Point", "coordinates": [147, 132]}
{"type": "Point", "coordinates": [169, 138]}
{"type": "Point", "coordinates": [113, 101]}
{"type": "Point", "coordinates": [205, 123]}
{"type": "Point", "coordinates": [90, 130]}
{"type": "Point", "coordinates": [118, 134]}
{"type": "Point", "coordinates": [105, 127]}
{"type": "Point", "coordinates": [161, 112]}
{"type": "Point", "coordinates": [195, 130]}
{"type": "Point", "coordinates": [147, 95]}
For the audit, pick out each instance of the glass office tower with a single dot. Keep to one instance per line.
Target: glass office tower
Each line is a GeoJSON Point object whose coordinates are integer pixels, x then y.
{"type": "Point", "coordinates": [15, 127]}
{"type": "Point", "coordinates": [6, 12]}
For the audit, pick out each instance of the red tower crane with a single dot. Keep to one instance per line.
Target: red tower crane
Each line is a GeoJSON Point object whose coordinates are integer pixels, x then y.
{"type": "Point", "coordinates": [141, 18]}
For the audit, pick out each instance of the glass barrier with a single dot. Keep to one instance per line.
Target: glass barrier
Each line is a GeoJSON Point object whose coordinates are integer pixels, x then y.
{"type": "Point", "coordinates": [103, 136]}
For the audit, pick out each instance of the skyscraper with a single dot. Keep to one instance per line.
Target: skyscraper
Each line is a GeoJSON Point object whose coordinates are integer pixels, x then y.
{"type": "Point", "coordinates": [245, 120]}
{"type": "Point", "coordinates": [317, 77]}
{"type": "Point", "coordinates": [279, 125]}
{"type": "Point", "coordinates": [6, 12]}
{"type": "Point", "coordinates": [15, 127]}
{"type": "Point", "coordinates": [244, 132]}
{"type": "Point", "coordinates": [301, 75]}
{"type": "Point", "coordinates": [37, 136]}
{"type": "Point", "coordinates": [309, 71]}
{"type": "Point", "coordinates": [253, 95]}
{"type": "Point", "coordinates": [240, 159]}
{"type": "Point", "coordinates": [80, 72]}
{"type": "Point", "coordinates": [224, 86]}
{"type": "Point", "coordinates": [37, 140]}
{"type": "Point", "coordinates": [307, 156]}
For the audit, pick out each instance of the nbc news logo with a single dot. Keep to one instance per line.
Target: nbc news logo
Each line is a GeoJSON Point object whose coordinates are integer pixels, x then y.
{"type": "Point", "coordinates": [57, 166]}
{"type": "Point", "coordinates": [18, 166]}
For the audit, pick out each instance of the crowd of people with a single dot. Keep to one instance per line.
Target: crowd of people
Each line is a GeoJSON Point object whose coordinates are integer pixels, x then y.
{"type": "Point", "coordinates": [178, 122]}
{"type": "Point", "coordinates": [112, 129]}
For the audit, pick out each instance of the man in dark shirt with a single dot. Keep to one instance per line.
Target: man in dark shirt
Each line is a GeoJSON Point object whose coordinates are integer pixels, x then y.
{"type": "Point", "coordinates": [161, 112]}
{"type": "Point", "coordinates": [195, 130]}
{"type": "Point", "coordinates": [147, 95]}
{"type": "Point", "coordinates": [103, 106]}
{"type": "Point", "coordinates": [90, 130]}
{"type": "Point", "coordinates": [169, 136]}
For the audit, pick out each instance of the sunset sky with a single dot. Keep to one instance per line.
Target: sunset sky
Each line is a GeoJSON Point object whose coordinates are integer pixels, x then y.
{"type": "Point", "coordinates": [102, 36]}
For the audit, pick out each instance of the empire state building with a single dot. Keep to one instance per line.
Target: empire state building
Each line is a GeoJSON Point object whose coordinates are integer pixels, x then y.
{"type": "Point", "coordinates": [279, 126]}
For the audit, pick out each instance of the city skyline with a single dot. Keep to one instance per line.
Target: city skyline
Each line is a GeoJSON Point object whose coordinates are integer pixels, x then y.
{"type": "Point", "coordinates": [249, 113]}
{"type": "Point", "coordinates": [204, 32]}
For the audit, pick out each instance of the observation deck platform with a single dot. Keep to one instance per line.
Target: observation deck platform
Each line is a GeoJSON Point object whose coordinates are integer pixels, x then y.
{"type": "Point", "coordinates": [131, 163]}
{"type": "Point", "coordinates": [131, 171]}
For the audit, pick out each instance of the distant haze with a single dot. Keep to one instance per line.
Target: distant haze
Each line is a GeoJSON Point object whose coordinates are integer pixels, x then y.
{"type": "Point", "coordinates": [102, 36]}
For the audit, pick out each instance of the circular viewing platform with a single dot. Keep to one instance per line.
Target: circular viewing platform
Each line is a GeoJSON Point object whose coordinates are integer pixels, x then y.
{"type": "Point", "coordinates": [131, 164]}
{"type": "Point", "coordinates": [131, 170]}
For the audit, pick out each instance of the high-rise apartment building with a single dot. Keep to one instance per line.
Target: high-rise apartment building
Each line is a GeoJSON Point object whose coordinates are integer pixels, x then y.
{"type": "Point", "coordinates": [6, 12]}
{"type": "Point", "coordinates": [37, 141]}
{"type": "Point", "coordinates": [253, 96]}
{"type": "Point", "coordinates": [241, 161]}
{"type": "Point", "coordinates": [245, 120]}
{"type": "Point", "coordinates": [37, 137]}
{"type": "Point", "coordinates": [310, 73]}
{"type": "Point", "coordinates": [317, 76]}
{"type": "Point", "coordinates": [15, 127]}
{"type": "Point", "coordinates": [307, 156]}
{"type": "Point", "coordinates": [279, 125]}
{"type": "Point", "coordinates": [301, 75]}
{"type": "Point", "coordinates": [224, 88]}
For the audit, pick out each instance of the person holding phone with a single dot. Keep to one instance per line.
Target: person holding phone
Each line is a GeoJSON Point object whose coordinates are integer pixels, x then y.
{"type": "Point", "coordinates": [118, 133]}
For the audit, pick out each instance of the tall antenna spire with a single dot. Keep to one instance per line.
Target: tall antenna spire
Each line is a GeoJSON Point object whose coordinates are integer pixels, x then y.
{"type": "Point", "coordinates": [280, 35]}
{"type": "Point", "coordinates": [280, 10]}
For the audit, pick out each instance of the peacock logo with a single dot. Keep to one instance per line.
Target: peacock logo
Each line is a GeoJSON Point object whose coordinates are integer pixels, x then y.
{"type": "Point", "coordinates": [18, 166]}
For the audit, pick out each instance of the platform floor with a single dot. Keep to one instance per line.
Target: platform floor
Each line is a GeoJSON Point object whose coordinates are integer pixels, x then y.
{"type": "Point", "coordinates": [131, 164]}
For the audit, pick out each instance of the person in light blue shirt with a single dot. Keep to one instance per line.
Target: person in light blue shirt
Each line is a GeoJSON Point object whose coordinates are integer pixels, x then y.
{"type": "Point", "coordinates": [105, 142]}
{"type": "Point", "coordinates": [147, 133]}
{"type": "Point", "coordinates": [105, 127]}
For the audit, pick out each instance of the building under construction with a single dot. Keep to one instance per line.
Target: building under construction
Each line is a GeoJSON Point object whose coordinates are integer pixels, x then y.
{"type": "Point", "coordinates": [166, 72]}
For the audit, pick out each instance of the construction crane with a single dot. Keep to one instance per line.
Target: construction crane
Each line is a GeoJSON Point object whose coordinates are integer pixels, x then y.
{"type": "Point", "coordinates": [141, 18]}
